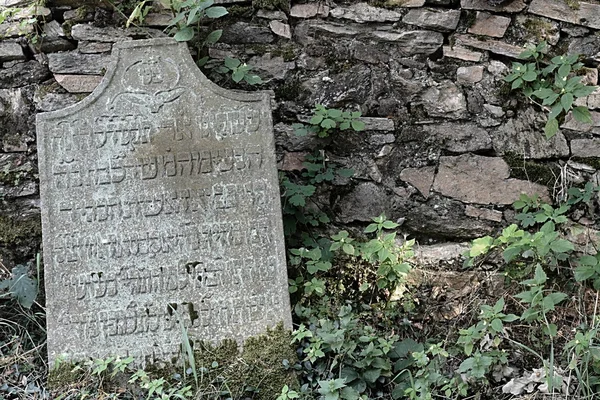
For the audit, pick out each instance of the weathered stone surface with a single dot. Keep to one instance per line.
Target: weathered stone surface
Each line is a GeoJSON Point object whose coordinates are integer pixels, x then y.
{"type": "Point", "coordinates": [85, 47]}
{"type": "Point", "coordinates": [585, 14]}
{"type": "Point", "coordinates": [574, 125]}
{"type": "Point", "coordinates": [378, 124]}
{"type": "Point", "coordinates": [525, 135]}
{"type": "Point", "coordinates": [405, 3]}
{"type": "Point", "coordinates": [10, 51]}
{"type": "Point", "coordinates": [244, 33]}
{"type": "Point", "coordinates": [54, 39]}
{"type": "Point", "coordinates": [273, 15]}
{"type": "Point", "coordinates": [460, 137]}
{"type": "Point", "coordinates": [77, 63]}
{"type": "Point", "coordinates": [309, 10]}
{"type": "Point", "coordinates": [462, 54]}
{"type": "Point", "coordinates": [437, 20]}
{"type": "Point", "coordinates": [484, 5]}
{"type": "Point", "coordinates": [469, 75]}
{"type": "Point", "coordinates": [420, 178]}
{"type": "Point", "coordinates": [445, 100]}
{"type": "Point", "coordinates": [365, 200]}
{"type": "Point", "coordinates": [494, 46]}
{"type": "Point", "coordinates": [269, 67]}
{"type": "Point", "coordinates": [483, 213]}
{"type": "Point", "coordinates": [78, 83]}
{"type": "Point", "coordinates": [588, 46]}
{"type": "Point", "coordinates": [489, 25]}
{"type": "Point", "coordinates": [412, 42]}
{"type": "Point", "coordinates": [15, 108]}
{"type": "Point", "coordinates": [362, 12]}
{"type": "Point", "coordinates": [95, 34]}
{"type": "Point", "coordinates": [15, 29]}
{"type": "Point", "coordinates": [183, 220]}
{"type": "Point", "coordinates": [21, 74]}
{"type": "Point", "coordinates": [585, 147]}
{"type": "Point", "coordinates": [481, 180]}
{"type": "Point", "coordinates": [281, 29]}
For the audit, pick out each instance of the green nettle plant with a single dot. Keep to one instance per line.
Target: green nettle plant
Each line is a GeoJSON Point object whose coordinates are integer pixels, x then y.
{"type": "Point", "coordinates": [188, 16]}
{"type": "Point", "coordinates": [554, 83]}
{"type": "Point", "coordinates": [239, 71]}
{"type": "Point", "coordinates": [326, 120]}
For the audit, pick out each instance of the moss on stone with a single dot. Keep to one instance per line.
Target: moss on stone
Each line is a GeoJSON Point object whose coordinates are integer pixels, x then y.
{"type": "Point", "coordinates": [240, 11]}
{"type": "Point", "coordinates": [64, 375]}
{"type": "Point", "coordinates": [574, 4]}
{"type": "Point", "coordinates": [290, 90]}
{"type": "Point", "coordinates": [288, 53]}
{"type": "Point", "coordinates": [258, 370]}
{"type": "Point", "coordinates": [544, 174]}
{"type": "Point", "coordinates": [591, 161]}
{"type": "Point", "coordinates": [13, 232]}
{"type": "Point", "coordinates": [537, 28]}
{"type": "Point", "coordinates": [283, 5]}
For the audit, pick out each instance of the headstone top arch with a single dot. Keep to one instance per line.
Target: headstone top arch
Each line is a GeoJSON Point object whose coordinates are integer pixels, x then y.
{"type": "Point", "coordinates": [160, 206]}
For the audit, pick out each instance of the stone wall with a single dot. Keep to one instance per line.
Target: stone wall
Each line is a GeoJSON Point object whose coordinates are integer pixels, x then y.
{"type": "Point", "coordinates": [447, 147]}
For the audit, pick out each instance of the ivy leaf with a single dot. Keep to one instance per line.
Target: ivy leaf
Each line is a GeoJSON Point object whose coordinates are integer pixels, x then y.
{"type": "Point", "coordinates": [582, 114]}
{"type": "Point", "coordinates": [328, 123]}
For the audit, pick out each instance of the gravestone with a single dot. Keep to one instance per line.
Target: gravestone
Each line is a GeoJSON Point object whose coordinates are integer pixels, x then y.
{"type": "Point", "coordinates": [160, 207]}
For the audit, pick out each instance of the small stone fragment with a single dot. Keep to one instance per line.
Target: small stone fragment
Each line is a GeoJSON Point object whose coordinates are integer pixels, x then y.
{"type": "Point", "coordinates": [78, 64]}
{"type": "Point", "coordinates": [483, 213]}
{"type": "Point", "coordinates": [462, 54]}
{"type": "Point", "coordinates": [362, 12]}
{"type": "Point", "coordinates": [95, 34]}
{"type": "Point", "coordinates": [412, 42]}
{"type": "Point", "coordinates": [78, 83]}
{"type": "Point", "coordinates": [469, 75]}
{"type": "Point", "coordinates": [281, 29]}
{"type": "Point", "coordinates": [94, 47]}
{"type": "Point", "coordinates": [15, 29]}
{"type": "Point", "coordinates": [481, 180]}
{"type": "Point", "coordinates": [445, 21]}
{"type": "Point", "coordinates": [309, 10]}
{"type": "Point", "coordinates": [585, 147]}
{"type": "Point", "coordinates": [494, 46]}
{"type": "Point", "coordinates": [484, 5]}
{"type": "Point", "coordinates": [489, 25]}
{"type": "Point", "coordinates": [378, 124]}
{"type": "Point", "coordinates": [420, 178]}
{"type": "Point", "coordinates": [268, 14]}
{"type": "Point", "coordinates": [585, 14]}
{"type": "Point", "coordinates": [445, 100]}
{"type": "Point", "coordinates": [10, 51]}
{"type": "Point", "coordinates": [405, 3]}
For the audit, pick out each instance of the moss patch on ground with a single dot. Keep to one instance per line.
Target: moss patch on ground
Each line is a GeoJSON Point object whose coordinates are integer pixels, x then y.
{"type": "Point", "coordinates": [17, 232]}
{"type": "Point", "coordinates": [257, 371]}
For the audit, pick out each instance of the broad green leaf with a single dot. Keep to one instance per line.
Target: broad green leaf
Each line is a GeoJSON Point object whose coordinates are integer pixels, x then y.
{"type": "Point", "coordinates": [510, 318]}
{"type": "Point", "coordinates": [184, 35]}
{"type": "Point", "coordinates": [348, 249]}
{"type": "Point", "coordinates": [588, 260]}
{"type": "Point", "coordinates": [511, 77]}
{"type": "Point", "coordinates": [252, 79]}
{"type": "Point", "coordinates": [584, 272]}
{"type": "Point", "coordinates": [192, 15]}
{"type": "Point", "coordinates": [390, 225]}
{"type": "Point", "coordinates": [334, 113]}
{"type": "Point", "coordinates": [543, 93]}
{"type": "Point", "coordinates": [358, 125]}
{"type": "Point", "coordinates": [316, 119]}
{"type": "Point", "coordinates": [548, 101]}
{"type": "Point", "coordinates": [328, 123]}
{"type": "Point", "coordinates": [21, 286]}
{"type": "Point", "coordinates": [510, 253]}
{"type": "Point", "coordinates": [237, 75]}
{"type": "Point", "coordinates": [551, 128]}
{"type": "Point", "coordinates": [232, 63]}
{"type": "Point", "coordinates": [214, 36]}
{"type": "Point", "coordinates": [371, 228]}
{"type": "Point", "coordinates": [480, 246]}
{"type": "Point", "coordinates": [371, 375]}
{"type": "Point", "coordinates": [216, 12]}
{"type": "Point", "coordinates": [499, 306]}
{"type": "Point", "coordinates": [582, 114]}
{"type": "Point", "coordinates": [555, 111]}
{"type": "Point", "coordinates": [564, 71]}
{"type": "Point", "coordinates": [567, 101]}
{"type": "Point", "coordinates": [562, 246]}
{"type": "Point", "coordinates": [345, 172]}
{"type": "Point", "coordinates": [496, 325]}
{"type": "Point", "coordinates": [517, 83]}
{"type": "Point", "coordinates": [529, 76]}
{"type": "Point", "coordinates": [584, 91]}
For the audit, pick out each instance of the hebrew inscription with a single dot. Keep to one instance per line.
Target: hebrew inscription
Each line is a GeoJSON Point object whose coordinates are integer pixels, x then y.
{"type": "Point", "coordinates": [160, 207]}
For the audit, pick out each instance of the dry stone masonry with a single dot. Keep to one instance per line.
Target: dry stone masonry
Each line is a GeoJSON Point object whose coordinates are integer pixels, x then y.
{"type": "Point", "coordinates": [160, 207]}
{"type": "Point", "coordinates": [447, 147]}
